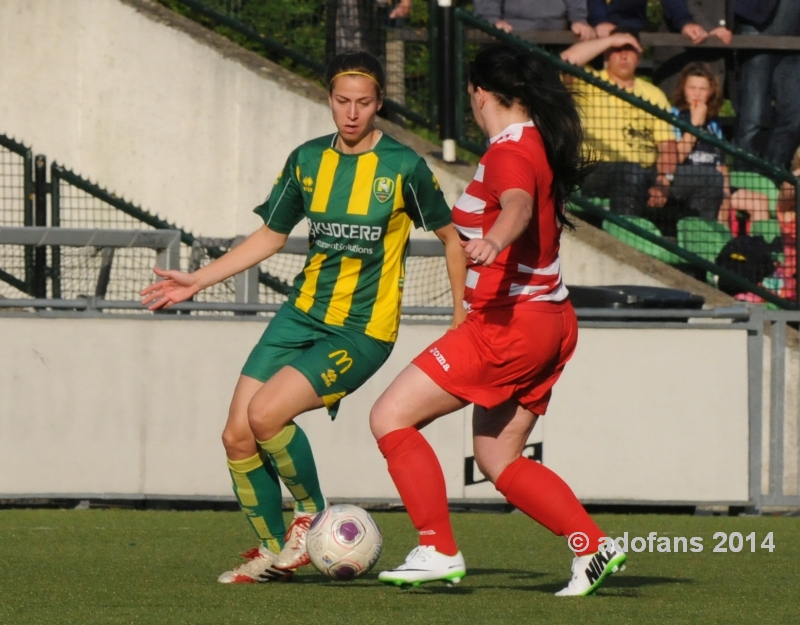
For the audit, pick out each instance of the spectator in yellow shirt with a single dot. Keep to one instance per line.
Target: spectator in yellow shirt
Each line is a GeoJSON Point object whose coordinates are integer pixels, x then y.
{"type": "Point", "coordinates": [636, 152]}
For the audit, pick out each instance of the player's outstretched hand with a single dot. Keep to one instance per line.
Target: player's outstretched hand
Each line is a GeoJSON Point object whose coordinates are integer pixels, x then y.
{"type": "Point", "coordinates": [175, 287]}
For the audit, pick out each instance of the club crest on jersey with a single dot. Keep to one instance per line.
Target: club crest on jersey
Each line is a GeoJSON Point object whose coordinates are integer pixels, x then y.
{"type": "Point", "coordinates": [383, 188]}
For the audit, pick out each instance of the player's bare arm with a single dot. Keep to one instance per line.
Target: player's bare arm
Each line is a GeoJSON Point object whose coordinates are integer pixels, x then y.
{"type": "Point", "coordinates": [178, 286]}
{"type": "Point", "coordinates": [584, 51]}
{"type": "Point", "coordinates": [456, 269]}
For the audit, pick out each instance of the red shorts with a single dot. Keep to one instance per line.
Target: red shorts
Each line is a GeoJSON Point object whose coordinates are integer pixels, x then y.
{"type": "Point", "coordinates": [506, 353]}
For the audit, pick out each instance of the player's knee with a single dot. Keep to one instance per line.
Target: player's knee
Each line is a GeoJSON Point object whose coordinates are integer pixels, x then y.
{"type": "Point", "coordinates": [382, 418]}
{"type": "Point", "coordinates": [491, 466]}
{"type": "Point", "coordinates": [377, 424]}
{"type": "Point", "coordinates": [257, 411]}
{"type": "Point", "coordinates": [236, 442]}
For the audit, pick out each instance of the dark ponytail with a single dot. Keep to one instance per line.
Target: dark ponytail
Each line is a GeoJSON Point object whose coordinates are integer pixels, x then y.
{"type": "Point", "coordinates": [512, 75]}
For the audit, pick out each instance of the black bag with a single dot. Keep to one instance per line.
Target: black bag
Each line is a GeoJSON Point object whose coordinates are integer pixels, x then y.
{"type": "Point", "coordinates": [748, 257]}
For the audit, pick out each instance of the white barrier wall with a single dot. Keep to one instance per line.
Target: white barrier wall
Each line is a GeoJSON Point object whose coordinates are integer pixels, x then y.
{"type": "Point", "coordinates": [135, 407]}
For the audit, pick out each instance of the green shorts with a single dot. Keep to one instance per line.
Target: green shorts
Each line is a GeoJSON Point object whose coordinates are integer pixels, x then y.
{"type": "Point", "coordinates": [336, 360]}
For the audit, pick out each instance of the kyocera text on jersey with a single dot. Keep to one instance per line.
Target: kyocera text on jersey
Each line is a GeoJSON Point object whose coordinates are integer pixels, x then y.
{"type": "Point", "coordinates": [346, 231]}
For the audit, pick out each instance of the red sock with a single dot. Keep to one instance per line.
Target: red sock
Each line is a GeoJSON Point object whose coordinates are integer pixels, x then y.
{"type": "Point", "coordinates": [419, 480]}
{"type": "Point", "coordinates": [546, 498]}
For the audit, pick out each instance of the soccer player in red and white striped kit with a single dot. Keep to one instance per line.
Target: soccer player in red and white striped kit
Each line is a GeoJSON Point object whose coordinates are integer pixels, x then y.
{"type": "Point", "coordinates": [519, 333]}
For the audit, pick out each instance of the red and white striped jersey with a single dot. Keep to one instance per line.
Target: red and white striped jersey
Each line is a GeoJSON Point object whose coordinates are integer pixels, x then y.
{"type": "Point", "coordinates": [528, 270]}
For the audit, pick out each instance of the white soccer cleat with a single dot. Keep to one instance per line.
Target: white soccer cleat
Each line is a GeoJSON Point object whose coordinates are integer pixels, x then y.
{"type": "Point", "coordinates": [259, 568]}
{"type": "Point", "coordinates": [589, 571]}
{"type": "Point", "coordinates": [425, 564]}
{"type": "Point", "coordinates": [294, 553]}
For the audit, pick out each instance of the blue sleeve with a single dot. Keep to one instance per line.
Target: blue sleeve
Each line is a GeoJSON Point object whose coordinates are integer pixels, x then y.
{"type": "Point", "coordinates": [678, 132]}
{"type": "Point", "coordinates": [598, 11]}
{"type": "Point", "coordinates": [676, 14]}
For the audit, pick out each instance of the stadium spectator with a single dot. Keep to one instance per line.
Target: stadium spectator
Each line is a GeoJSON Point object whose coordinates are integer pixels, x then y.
{"type": "Point", "coordinates": [606, 15]}
{"type": "Point", "coordinates": [701, 185]}
{"type": "Point", "coordinates": [509, 15]}
{"type": "Point", "coordinates": [636, 151]}
{"type": "Point", "coordinates": [787, 220]}
{"type": "Point", "coordinates": [701, 178]}
{"type": "Point", "coordinates": [715, 17]}
{"type": "Point", "coordinates": [360, 192]}
{"type": "Point", "coordinates": [357, 24]}
{"type": "Point", "coordinates": [520, 331]}
{"type": "Point", "coordinates": [767, 76]}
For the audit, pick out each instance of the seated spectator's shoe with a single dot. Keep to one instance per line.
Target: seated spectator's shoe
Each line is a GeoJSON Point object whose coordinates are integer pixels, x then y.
{"type": "Point", "coordinates": [425, 564]}
{"type": "Point", "coordinates": [259, 568]}
{"type": "Point", "coordinates": [294, 554]}
{"type": "Point", "coordinates": [589, 571]}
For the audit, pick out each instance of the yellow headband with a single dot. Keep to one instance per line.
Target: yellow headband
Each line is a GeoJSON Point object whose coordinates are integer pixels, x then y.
{"type": "Point", "coordinates": [355, 73]}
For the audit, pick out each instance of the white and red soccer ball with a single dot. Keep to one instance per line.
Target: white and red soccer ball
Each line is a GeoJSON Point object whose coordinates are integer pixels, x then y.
{"type": "Point", "coordinates": [344, 542]}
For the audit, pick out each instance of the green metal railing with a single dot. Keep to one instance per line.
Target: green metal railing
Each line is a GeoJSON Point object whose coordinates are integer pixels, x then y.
{"type": "Point", "coordinates": [16, 209]}
{"type": "Point", "coordinates": [464, 19]}
{"type": "Point", "coordinates": [470, 30]}
{"type": "Point", "coordinates": [59, 176]}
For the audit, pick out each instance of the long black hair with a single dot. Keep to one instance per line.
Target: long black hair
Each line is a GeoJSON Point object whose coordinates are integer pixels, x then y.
{"type": "Point", "coordinates": [512, 75]}
{"type": "Point", "coordinates": [358, 63]}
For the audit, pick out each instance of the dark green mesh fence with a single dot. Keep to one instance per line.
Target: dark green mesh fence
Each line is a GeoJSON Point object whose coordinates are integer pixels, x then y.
{"type": "Point", "coordinates": [304, 35]}
{"type": "Point", "coordinates": [677, 189]}
{"type": "Point", "coordinates": [118, 274]}
{"type": "Point", "coordinates": [16, 209]}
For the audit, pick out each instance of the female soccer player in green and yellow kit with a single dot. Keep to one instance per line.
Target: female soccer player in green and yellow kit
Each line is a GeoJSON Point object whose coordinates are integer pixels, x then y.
{"type": "Point", "coordinates": [360, 191]}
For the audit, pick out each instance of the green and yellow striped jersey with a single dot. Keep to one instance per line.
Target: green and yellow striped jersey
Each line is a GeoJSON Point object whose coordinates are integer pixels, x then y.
{"type": "Point", "coordinates": [360, 208]}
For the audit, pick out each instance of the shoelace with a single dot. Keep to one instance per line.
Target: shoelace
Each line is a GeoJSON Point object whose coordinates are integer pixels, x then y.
{"type": "Point", "coordinates": [252, 554]}
{"type": "Point", "coordinates": [301, 523]}
{"type": "Point", "coordinates": [419, 553]}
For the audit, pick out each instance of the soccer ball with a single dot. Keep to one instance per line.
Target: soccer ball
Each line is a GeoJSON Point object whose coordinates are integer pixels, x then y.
{"type": "Point", "coordinates": [344, 542]}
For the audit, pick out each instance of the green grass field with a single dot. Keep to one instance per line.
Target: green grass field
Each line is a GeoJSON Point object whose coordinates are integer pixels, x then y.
{"type": "Point", "coordinates": [123, 566]}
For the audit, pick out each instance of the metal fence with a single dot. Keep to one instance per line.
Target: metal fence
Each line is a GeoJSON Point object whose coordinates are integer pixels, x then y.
{"type": "Point", "coordinates": [729, 221]}
{"type": "Point", "coordinates": [16, 209]}
{"type": "Point", "coordinates": [663, 183]}
{"type": "Point", "coordinates": [774, 390]}
{"type": "Point", "coordinates": [111, 275]}
{"type": "Point", "coordinates": [305, 34]}
{"type": "Point", "coordinates": [719, 214]}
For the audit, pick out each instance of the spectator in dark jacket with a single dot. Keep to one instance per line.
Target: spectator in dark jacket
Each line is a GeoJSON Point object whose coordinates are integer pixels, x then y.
{"type": "Point", "coordinates": [511, 15]}
{"type": "Point", "coordinates": [604, 15]}
{"type": "Point", "coordinates": [715, 17]}
{"type": "Point", "coordinates": [766, 75]}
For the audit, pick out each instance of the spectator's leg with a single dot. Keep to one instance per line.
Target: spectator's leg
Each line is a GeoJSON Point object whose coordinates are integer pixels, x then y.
{"type": "Point", "coordinates": [754, 99]}
{"type": "Point", "coordinates": [596, 184]}
{"type": "Point", "coordinates": [700, 189]}
{"type": "Point", "coordinates": [629, 183]}
{"type": "Point", "coordinates": [753, 202]}
{"type": "Point", "coordinates": [785, 136]}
